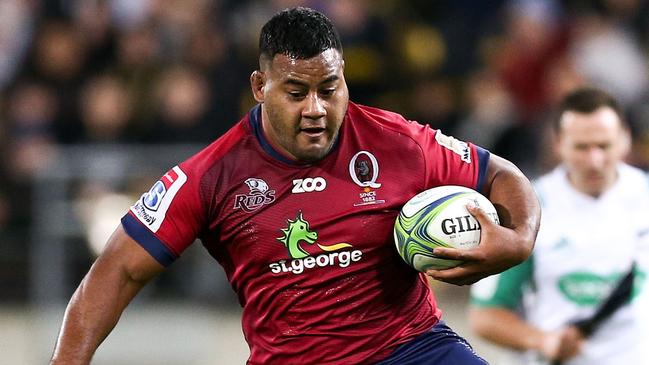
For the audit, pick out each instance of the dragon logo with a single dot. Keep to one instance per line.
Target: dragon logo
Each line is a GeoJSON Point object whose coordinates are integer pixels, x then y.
{"type": "Point", "coordinates": [298, 231]}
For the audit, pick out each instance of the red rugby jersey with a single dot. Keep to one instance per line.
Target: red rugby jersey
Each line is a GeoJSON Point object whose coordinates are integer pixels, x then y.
{"type": "Point", "coordinates": [309, 249]}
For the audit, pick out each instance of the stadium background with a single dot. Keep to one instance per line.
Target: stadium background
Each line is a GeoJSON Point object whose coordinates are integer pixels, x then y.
{"type": "Point", "coordinates": [99, 97]}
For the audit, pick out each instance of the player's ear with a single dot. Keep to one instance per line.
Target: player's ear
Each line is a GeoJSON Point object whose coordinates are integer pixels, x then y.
{"type": "Point", "coordinates": [257, 84]}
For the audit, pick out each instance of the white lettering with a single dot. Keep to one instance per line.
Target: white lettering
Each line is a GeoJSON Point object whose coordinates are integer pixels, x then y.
{"type": "Point", "coordinates": [309, 262]}
{"type": "Point", "coordinates": [274, 268]}
{"type": "Point", "coordinates": [368, 194]}
{"type": "Point", "coordinates": [322, 260]}
{"type": "Point", "coordinates": [308, 185]}
{"type": "Point", "coordinates": [284, 267]}
{"type": "Point", "coordinates": [356, 255]}
{"type": "Point", "coordinates": [345, 257]}
{"type": "Point", "coordinates": [297, 266]}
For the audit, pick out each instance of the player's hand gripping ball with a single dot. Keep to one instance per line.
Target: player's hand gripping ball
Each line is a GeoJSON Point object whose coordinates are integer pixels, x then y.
{"type": "Point", "coordinates": [438, 217]}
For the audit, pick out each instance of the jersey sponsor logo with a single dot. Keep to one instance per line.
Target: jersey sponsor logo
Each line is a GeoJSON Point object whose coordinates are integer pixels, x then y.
{"type": "Point", "coordinates": [589, 289]}
{"type": "Point", "coordinates": [298, 233]}
{"type": "Point", "coordinates": [260, 194]}
{"type": "Point", "coordinates": [152, 207]}
{"type": "Point", "coordinates": [309, 185]}
{"type": "Point", "coordinates": [460, 148]}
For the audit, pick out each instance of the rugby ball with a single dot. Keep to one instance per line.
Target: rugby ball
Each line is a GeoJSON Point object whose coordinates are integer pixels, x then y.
{"type": "Point", "coordinates": [438, 217]}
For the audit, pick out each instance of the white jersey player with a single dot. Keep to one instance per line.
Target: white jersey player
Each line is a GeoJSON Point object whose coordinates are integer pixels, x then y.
{"type": "Point", "coordinates": [594, 226]}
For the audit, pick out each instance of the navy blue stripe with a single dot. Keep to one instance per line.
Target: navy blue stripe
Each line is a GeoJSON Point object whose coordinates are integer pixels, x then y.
{"type": "Point", "coordinates": [483, 162]}
{"type": "Point", "coordinates": [147, 240]}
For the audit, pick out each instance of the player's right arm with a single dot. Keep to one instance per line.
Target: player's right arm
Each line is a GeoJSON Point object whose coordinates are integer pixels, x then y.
{"type": "Point", "coordinates": [115, 278]}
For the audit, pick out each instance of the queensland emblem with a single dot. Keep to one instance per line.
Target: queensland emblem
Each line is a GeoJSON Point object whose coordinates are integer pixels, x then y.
{"type": "Point", "coordinates": [260, 194]}
{"type": "Point", "coordinates": [364, 170]}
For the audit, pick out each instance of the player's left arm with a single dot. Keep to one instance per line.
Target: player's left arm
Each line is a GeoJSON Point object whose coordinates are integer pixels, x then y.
{"type": "Point", "coordinates": [501, 246]}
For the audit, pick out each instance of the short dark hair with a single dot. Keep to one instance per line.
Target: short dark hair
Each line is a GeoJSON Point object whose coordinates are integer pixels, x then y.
{"type": "Point", "coordinates": [298, 33]}
{"type": "Point", "coordinates": [587, 100]}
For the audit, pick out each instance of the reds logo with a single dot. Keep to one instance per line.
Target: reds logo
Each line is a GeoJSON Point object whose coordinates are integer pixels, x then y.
{"type": "Point", "coordinates": [260, 194]}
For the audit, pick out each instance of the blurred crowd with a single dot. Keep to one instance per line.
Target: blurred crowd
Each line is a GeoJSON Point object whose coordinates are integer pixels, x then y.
{"type": "Point", "coordinates": [177, 71]}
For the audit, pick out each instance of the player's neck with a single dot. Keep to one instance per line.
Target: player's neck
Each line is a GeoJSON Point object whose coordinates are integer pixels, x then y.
{"type": "Point", "coordinates": [270, 139]}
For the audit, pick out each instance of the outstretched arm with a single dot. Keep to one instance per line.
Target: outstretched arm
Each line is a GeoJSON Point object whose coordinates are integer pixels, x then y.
{"type": "Point", "coordinates": [113, 280]}
{"type": "Point", "coordinates": [505, 328]}
{"type": "Point", "coordinates": [501, 247]}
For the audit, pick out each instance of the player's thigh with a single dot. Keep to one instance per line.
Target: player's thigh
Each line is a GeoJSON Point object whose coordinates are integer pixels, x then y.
{"type": "Point", "coordinates": [439, 346]}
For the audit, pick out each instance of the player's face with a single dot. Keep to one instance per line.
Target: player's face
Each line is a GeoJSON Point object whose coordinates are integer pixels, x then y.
{"type": "Point", "coordinates": [303, 103]}
{"type": "Point", "coordinates": [591, 146]}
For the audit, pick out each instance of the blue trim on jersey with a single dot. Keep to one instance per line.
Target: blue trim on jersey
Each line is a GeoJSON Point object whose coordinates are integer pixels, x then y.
{"type": "Point", "coordinates": [147, 240]}
{"type": "Point", "coordinates": [483, 162]}
{"type": "Point", "coordinates": [438, 346]}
